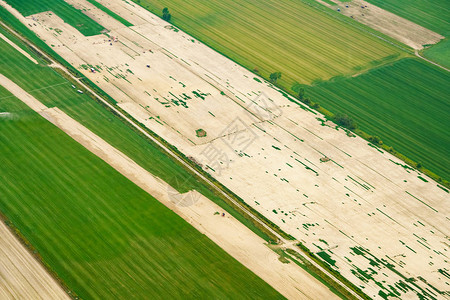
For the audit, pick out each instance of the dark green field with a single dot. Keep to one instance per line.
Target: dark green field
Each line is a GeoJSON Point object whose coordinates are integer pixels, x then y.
{"type": "Point", "coordinates": [431, 14]}
{"type": "Point", "coordinates": [65, 11]}
{"type": "Point", "coordinates": [406, 104]}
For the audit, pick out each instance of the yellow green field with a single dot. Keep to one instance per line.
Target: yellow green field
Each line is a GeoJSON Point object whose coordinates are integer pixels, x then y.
{"type": "Point", "coordinates": [305, 43]}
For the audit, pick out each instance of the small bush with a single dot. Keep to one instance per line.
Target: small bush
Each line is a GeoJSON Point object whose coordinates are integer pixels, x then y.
{"type": "Point", "coordinates": [375, 140]}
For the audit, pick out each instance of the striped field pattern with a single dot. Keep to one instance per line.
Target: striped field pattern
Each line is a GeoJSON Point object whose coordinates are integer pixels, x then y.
{"type": "Point", "coordinates": [294, 37]}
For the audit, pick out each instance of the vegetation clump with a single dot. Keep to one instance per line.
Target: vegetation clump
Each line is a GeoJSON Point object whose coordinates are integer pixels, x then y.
{"type": "Point", "coordinates": [274, 76]}
{"type": "Point", "coordinates": [200, 133]}
{"type": "Point", "coordinates": [166, 14]}
{"type": "Point", "coordinates": [345, 121]}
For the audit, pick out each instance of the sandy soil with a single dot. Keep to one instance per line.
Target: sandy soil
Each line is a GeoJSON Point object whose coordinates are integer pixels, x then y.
{"type": "Point", "coordinates": [388, 23]}
{"type": "Point", "coordinates": [23, 52]}
{"type": "Point", "coordinates": [227, 232]}
{"type": "Point", "coordinates": [21, 275]}
{"type": "Point", "coordinates": [363, 207]}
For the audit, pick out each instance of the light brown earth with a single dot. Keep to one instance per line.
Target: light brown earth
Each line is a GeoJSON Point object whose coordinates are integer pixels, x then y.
{"type": "Point", "coordinates": [401, 29]}
{"type": "Point", "coordinates": [363, 208]}
{"type": "Point", "coordinates": [23, 52]}
{"type": "Point", "coordinates": [227, 232]}
{"type": "Point", "coordinates": [21, 275]}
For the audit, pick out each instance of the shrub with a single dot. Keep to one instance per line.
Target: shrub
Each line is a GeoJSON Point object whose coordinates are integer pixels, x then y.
{"type": "Point", "coordinates": [375, 140]}
{"type": "Point", "coordinates": [345, 121]}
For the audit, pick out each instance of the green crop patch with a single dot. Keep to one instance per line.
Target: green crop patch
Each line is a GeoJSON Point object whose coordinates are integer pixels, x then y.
{"type": "Point", "coordinates": [440, 53]}
{"type": "Point", "coordinates": [404, 103]}
{"type": "Point", "coordinates": [302, 39]}
{"type": "Point", "coordinates": [434, 15]}
{"type": "Point", "coordinates": [104, 236]}
{"type": "Point", "coordinates": [111, 13]}
{"type": "Point", "coordinates": [65, 11]}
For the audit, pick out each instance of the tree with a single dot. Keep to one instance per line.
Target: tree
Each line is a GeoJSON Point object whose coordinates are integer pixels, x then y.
{"type": "Point", "coordinates": [301, 93]}
{"type": "Point", "coordinates": [375, 140]}
{"type": "Point", "coordinates": [275, 76]}
{"type": "Point", "coordinates": [345, 121]}
{"type": "Point", "coordinates": [166, 15]}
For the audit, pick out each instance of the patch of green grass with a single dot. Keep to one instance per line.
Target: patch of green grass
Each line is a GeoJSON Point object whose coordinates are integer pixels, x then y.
{"type": "Point", "coordinates": [65, 11]}
{"type": "Point", "coordinates": [330, 2]}
{"type": "Point", "coordinates": [326, 257]}
{"type": "Point", "coordinates": [439, 53]}
{"type": "Point", "coordinates": [104, 236]}
{"type": "Point", "coordinates": [434, 15]}
{"type": "Point", "coordinates": [302, 39]}
{"type": "Point", "coordinates": [111, 13]}
{"type": "Point", "coordinates": [54, 90]}
{"type": "Point", "coordinates": [405, 103]}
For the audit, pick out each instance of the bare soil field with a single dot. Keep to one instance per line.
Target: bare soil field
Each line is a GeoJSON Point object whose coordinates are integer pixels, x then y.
{"type": "Point", "coordinates": [203, 214]}
{"type": "Point", "coordinates": [380, 223]}
{"type": "Point", "coordinates": [21, 275]}
{"type": "Point", "coordinates": [399, 28]}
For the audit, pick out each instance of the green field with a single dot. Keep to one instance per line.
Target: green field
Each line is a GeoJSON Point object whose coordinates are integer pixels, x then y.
{"type": "Point", "coordinates": [105, 237]}
{"type": "Point", "coordinates": [405, 103]}
{"type": "Point", "coordinates": [290, 36]}
{"type": "Point", "coordinates": [111, 13]}
{"type": "Point", "coordinates": [431, 14]}
{"type": "Point", "coordinates": [440, 53]}
{"type": "Point", "coordinates": [65, 11]}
